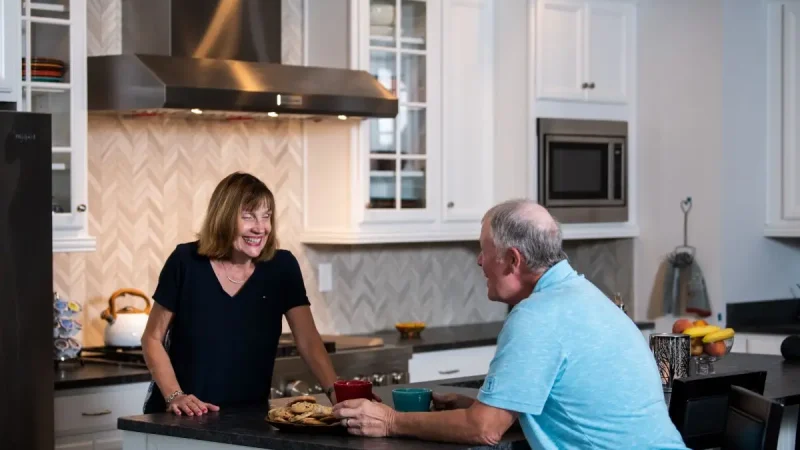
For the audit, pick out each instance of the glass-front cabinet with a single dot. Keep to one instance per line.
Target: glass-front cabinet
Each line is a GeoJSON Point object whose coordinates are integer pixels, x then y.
{"type": "Point", "coordinates": [426, 174]}
{"type": "Point", "coordinates": [401, 50]}
{"type": "Point", "coordinates": [53, 51]}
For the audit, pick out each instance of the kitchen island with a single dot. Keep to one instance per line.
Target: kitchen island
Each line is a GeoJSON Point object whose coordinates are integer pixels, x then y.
{"type": "Point", "coordinates": [239, 429]}
{"type": "Point", "coordinates": [236, 429]}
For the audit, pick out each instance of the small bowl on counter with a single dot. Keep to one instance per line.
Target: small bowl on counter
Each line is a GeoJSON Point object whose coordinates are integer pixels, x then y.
{"type": "Point", "coordinates": [410, 330]}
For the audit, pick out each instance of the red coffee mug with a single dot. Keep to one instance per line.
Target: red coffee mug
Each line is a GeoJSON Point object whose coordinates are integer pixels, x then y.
{"type": "Point", "coordinates": [351, 389]}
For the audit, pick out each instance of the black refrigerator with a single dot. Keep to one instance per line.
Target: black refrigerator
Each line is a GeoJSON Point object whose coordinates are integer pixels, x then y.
{"type": "Point", "coordinates": [26, 282]}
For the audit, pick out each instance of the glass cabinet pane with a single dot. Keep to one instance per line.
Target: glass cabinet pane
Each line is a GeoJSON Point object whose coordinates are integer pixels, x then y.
{"type": "Point", "coordinates": [382, 14]}
{"type": "Point", "coordinates": [383, 66]}
{"type": "Point", "coordinates": [411, 122]}
{"type": "Point", "coordinates": [50, 52]}
{"type": "Point", "coordinates": [51, 9]}
{"type": "Point", "coordinates": [382, 136]}
{"type": "Point", "coordinates": [412, 78]}
{"type": "Point", "coordinates": [412, 183]}
{"type": "Point", "coordinates": [62, 183]}
{"type": "Point", "coordinates": [412, 24]}
{"type": "Point", "coordinates": [382, 184]}
{"type": "Point", "coordinates": [398, 147]}
{"type": "Point", "coordinates": [57, 104]}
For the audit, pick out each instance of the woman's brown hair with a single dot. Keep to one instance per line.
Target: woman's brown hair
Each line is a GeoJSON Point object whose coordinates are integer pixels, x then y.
{"type": "Point", "coordinates": [236, 193]}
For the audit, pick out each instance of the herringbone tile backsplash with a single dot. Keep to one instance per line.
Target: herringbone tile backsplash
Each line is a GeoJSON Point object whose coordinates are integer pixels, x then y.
{"type": "Point", "coordinates": [149, 184]}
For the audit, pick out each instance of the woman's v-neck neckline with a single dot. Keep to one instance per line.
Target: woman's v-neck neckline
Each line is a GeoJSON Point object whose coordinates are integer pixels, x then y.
{"type": "Point", "coordinates": [222, 287]}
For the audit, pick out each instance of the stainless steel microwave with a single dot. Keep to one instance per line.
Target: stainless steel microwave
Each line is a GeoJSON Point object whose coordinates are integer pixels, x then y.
{"type": "Point", "coordinates": [582, 169]}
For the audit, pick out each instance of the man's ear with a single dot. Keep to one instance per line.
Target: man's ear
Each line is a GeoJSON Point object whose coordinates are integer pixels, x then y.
{"type": "Point", "coordinates": [515, 259]}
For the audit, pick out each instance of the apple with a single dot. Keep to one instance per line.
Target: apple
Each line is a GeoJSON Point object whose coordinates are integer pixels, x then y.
{"type": "Point", "coordinates": [715, 348]}
{"type": "Point", "coordinates": [697, 350]}
{"type": "Point", "coordinates": [700, 323]}
{"type": "Point", "coordinates": [680, 325]}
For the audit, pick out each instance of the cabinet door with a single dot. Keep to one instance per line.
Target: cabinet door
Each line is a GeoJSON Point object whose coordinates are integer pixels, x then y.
{"type": "Point", "coordinates": [467, 109]}
{"type": "Point", "coordinates": [608, 48]}
{"type": "Point", "coordinates": [791, 104]}
{"type": "Point", "coordinates": [403, 52]}
{"type": "Point", "coordinates": [559, 50]}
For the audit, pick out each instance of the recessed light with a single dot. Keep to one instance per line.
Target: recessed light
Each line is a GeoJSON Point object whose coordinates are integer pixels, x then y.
{"type": "Point", "coordinates": [342, 117]}
{"type": "Point", "coordinates": [196, 111]}
{"type": "Point", "coordinates": [272, 114]}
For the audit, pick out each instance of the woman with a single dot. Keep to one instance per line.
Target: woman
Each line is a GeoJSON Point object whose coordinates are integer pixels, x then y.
{"type": "Point", "coordinates": [213, 332]}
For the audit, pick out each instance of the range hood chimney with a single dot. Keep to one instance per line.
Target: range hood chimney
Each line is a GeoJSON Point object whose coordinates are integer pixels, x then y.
{"type": "Point", "coordinates": [221, 57]}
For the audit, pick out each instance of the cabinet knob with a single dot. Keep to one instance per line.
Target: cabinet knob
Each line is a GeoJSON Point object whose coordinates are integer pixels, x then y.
{"type": "Point", "coordinates": [591, 85]}
{"type": "Point", "coordinates": [81, 208]}
{"type": "Point", "coordinates": [450, 204]}
{"type": "Point", "coordinates": [585, 86]}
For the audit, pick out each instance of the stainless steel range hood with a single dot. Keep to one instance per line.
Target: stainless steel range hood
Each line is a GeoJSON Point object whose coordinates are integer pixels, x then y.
{"type": "Point", "coordinates": [221, 57]}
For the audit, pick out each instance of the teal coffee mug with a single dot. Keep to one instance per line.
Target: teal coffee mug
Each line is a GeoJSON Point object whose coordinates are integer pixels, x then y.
{"type": "Point", "coordinates": [412, 399]}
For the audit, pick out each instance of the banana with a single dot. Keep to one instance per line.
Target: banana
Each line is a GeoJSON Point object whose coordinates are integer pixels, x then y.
{"type": "Point", "coordinates": [700, 331]}
{"type": "Point", "coordinates": [720, 335]}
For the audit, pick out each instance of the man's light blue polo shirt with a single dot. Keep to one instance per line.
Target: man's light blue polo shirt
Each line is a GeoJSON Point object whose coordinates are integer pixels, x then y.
{"type": "Point", "coordinates": [578, 371]}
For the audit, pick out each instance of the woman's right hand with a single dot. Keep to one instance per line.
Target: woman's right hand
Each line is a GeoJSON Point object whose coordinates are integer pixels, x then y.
{"type": "Point", "coordinates": [190, 405]}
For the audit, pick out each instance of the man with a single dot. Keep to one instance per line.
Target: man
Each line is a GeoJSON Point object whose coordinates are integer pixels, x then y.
{"type": "Point", "coordinates": [570, 365]}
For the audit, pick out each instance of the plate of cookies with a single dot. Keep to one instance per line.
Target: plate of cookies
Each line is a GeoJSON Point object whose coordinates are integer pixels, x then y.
{"type": "Point", "coordinates": [305, 415]}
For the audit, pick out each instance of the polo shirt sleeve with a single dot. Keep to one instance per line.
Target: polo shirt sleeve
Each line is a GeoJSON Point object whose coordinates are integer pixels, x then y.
{"type": "Point", "coordinates": [528, 360]}
{"type": "Point", "coordinates": [293, 288]}
{"type": "Point", "coordinates": [169, 281]}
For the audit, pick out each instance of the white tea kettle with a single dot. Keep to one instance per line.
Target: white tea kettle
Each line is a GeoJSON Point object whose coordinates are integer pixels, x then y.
{"type": "Point", "coordinates": [126, 325]}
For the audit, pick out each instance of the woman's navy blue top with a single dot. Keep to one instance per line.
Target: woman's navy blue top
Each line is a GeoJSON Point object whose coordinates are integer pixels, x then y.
{"type": "Point", "coordinates": [223, 347]}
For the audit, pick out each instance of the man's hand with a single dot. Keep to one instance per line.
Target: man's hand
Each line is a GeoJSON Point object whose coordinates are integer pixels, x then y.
{"type": "Point", "coordinates": [443, 402]}
{"type": "Point", "coordinates": [363, 417]}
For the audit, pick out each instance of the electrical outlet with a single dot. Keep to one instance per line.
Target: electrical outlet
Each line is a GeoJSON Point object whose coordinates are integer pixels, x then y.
{"type": "Point", "coordinates": [325, 277]}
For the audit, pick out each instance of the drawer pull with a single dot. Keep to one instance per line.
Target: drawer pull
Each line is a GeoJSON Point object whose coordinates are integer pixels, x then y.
{"type": "Point", "coordinates": [449, 372]}
{"type": "Point", "coordinates": [98, 413]}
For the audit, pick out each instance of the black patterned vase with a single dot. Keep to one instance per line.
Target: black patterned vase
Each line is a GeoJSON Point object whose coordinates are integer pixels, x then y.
{"type": "Point", "coordinates": [672, 353]}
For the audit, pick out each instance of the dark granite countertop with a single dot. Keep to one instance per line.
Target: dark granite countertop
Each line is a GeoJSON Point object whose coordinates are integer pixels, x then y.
{"type": "Point", "coordinates": [783, 377]}
{"type": "Point", "coordinates": [73, 376]}
{"type": "Point", "coordinates": [457, 336]}
{"type": "Point", "coordinates": [246, 427]}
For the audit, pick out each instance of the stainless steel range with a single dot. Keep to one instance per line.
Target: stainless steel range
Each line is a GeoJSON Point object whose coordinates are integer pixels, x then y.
{"type": "Point", "coordinates": [361, 357]}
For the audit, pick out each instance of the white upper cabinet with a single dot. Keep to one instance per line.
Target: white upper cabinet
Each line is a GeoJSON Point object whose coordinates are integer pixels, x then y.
{"type": "Point", "coordinates": [467, 110]}
{"type": "Point", "coordinates": [583, 50]}
{"type": "Point", "coordinates": [9, 50]}
{"type": "Point", "coordinates": [52, 41]}
{"type": "Point", "coordinates": [783, 140]}
{"type": "Point", "coordinates": [425, 175]}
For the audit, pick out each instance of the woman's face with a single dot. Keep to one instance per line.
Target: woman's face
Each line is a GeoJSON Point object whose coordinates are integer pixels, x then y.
{"type": "Point", "coordinates": [252, 231]}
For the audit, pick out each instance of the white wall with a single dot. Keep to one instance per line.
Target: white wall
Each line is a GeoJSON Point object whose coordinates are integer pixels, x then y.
{"type": "Point", "coordinates": [702, 106]}
{"type": "Point", "coordinates": [753, 267]}
{"type": "Point", "coordinates": [680, 141]}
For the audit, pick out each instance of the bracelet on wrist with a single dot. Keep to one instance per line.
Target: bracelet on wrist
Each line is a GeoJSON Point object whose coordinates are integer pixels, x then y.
{"type": "Point", "coordinates": [172, 396]}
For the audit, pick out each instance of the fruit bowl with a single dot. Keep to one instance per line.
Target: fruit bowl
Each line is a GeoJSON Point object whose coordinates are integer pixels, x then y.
{"type": "Point", "coordinates": [709, 343]}
{"type": "Point", "coordinates": [704, 359]}
{"type": "Point", "coordinates": [410, 330]}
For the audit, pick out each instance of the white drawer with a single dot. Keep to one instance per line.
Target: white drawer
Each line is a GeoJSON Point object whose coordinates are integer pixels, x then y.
{"type": "Point", "coordinates": [96, 409]}
{"type": "Point", "coordinates": [440, 365]}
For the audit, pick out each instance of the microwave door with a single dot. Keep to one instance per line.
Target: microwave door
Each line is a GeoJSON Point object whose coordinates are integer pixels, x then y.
{"type": "Point", "coordinates": [580, 171]}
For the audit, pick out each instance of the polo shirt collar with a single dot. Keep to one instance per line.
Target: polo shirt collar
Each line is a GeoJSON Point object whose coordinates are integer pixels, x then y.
{"type": "Point", "coordinates": [554, 275]}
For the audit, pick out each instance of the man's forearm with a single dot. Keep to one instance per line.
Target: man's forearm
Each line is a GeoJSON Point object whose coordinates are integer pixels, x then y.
{"type": "Point", "coordinates": [456, 425]}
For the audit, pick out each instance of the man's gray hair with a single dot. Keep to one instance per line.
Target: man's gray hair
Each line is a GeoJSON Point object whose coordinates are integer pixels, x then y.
{"type": "Point", "coordinates": [513, 224]}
